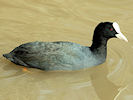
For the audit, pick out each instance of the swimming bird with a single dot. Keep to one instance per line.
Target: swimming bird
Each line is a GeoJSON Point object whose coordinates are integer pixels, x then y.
{"type": "Point", "coordinates": [63, 55]}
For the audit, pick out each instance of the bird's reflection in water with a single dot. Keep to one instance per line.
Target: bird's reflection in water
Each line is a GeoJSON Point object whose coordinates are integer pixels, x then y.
{"type": "Point", "coordinates": [104, 88]}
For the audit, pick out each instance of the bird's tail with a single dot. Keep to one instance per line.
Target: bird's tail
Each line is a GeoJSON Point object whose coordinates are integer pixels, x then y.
{"type": "Point", "coordinates": [8, 56]}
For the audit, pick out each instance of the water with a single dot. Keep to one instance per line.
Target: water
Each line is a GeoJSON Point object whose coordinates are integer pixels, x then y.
{"type": "Point", "coordinates": [66, 20]}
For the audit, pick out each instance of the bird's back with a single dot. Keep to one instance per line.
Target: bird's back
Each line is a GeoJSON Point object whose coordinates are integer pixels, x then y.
{"type": "Point", "coordinates": [51, 55]}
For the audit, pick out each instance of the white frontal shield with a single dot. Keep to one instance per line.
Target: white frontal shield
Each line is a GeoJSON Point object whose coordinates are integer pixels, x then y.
{"type": "Point", "coordinates": [119, 35]}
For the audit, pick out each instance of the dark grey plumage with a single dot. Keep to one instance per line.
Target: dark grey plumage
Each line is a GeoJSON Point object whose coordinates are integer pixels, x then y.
{"type": "Point", "coordinates": [64, 55]}
{"type": "Point", "coordinates": [52, 56]}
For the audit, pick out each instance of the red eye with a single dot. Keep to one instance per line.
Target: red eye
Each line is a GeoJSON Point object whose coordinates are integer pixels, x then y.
{"type": "Point", "coordinates": [111, 29]}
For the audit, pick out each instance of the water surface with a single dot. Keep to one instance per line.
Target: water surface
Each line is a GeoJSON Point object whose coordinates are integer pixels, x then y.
{"type": "Point", "coordinates": [24, 21]}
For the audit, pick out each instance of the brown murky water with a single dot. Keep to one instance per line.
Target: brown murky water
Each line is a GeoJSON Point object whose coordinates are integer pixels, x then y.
{"type": "Point", "coordinates": [24, 21]}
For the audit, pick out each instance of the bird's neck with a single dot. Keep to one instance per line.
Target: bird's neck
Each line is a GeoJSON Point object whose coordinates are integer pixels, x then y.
{"type": "Point", "coordinates": [99, 46]}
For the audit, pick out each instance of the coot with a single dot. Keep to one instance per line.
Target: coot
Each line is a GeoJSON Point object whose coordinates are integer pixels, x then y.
{"type": "Point", "coordinates": [63, 55]}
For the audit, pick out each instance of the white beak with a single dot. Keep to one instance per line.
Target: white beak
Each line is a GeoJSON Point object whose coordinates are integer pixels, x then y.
{"type": "Point", "coordinates": [119, 35]}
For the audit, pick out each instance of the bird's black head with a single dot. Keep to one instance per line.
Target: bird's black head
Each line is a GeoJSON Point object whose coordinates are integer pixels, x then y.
{"type": "Point", "coordinates": [103, 32]}
{"type": "Point", "coordinates": [107, 30]}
